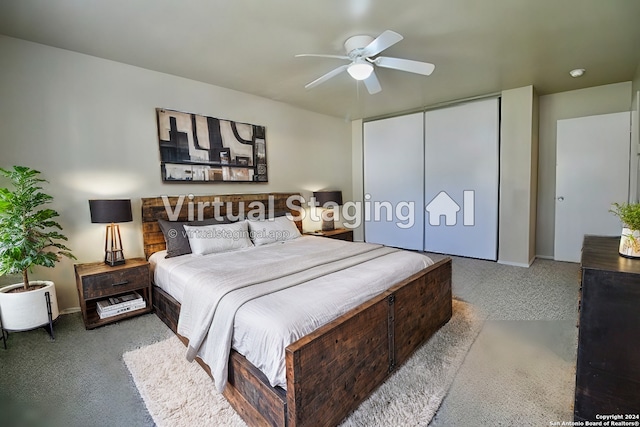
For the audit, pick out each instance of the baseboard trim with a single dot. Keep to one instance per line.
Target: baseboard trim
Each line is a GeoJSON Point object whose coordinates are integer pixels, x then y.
{"type": "Point", "coordinates": [70, 310]}
{"type": "Point", "coordinates": [518, 264]}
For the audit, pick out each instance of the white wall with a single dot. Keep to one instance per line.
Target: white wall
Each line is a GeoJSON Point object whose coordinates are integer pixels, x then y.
{"type": "Point", "coordinates": [605, 99]}
{"type": "Point", "coordinates": [635, 84]}
{"type": "Point", "coordinates": [635, 136]}
{"type": "Point", "coordinates": [357, 171]}
{"type": "Point", "coordinates": [518, 176]}
{"type": "Point", "coordinates": [89, 125]}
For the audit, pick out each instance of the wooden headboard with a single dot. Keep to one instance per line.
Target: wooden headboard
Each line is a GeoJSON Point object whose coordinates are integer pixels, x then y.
{"type": "Point", "coordinates": [153, 208]}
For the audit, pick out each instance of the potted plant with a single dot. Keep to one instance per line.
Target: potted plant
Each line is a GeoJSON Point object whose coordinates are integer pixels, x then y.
{"type": "Point", "coordinates": [29, 236]}
{"type": "Point", "coordinates": [629, 214]}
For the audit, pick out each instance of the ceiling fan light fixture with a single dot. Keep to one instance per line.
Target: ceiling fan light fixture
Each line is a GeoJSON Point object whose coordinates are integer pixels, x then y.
{"type": "Point", "coordinates": [360, 70]}
{"type": "Point", "coordinates": [363, 52]}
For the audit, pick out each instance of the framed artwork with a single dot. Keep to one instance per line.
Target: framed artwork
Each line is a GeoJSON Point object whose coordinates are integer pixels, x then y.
{"type": "Point", "coordinates": [196, 148]}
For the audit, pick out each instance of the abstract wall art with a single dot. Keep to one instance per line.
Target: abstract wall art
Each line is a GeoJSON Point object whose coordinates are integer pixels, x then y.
{"type": "Point", "coordinates": [196, 148]}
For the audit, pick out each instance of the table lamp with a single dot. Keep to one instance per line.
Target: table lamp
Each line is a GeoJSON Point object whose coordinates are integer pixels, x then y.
{"type": "Point", "coordinates": [331, 198]}
{"type": "Point", "coordinates": [111, 212]}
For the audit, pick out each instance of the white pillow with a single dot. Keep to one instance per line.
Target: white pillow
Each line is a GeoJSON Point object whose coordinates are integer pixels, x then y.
{"type": "Point", "coordinates": [210, 239]}
{"type": "Point", "coordinates": [272, 230]}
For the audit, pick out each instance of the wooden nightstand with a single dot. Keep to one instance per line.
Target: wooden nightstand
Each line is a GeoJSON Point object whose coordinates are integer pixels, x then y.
{"type": "Point", "coordinates": [99, 281]}
{"type": "Point", "coordinates": [338, 233]}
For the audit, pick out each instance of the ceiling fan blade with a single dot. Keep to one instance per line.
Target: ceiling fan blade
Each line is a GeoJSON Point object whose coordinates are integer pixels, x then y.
{"type": "Point", "coordinates": [327, 76]}
{"type": "Point", "coordinates": [320, 55]}
{"type": "Point", "coordinates": [417, 67]}
{"type": "Point", "coordinates": [382, 42]}
{"type": "Point", "coordinates": [373, 84]}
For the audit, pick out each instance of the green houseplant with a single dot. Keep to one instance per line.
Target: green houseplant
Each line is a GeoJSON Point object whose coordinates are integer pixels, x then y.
{"type": "Point", "coordinates": [29, 236]}
{"type": "Point", "coordinates": [629, 214]}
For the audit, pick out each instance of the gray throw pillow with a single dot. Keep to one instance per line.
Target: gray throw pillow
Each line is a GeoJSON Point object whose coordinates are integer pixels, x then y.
{"type": "Point", "coordinates": [176, 238]}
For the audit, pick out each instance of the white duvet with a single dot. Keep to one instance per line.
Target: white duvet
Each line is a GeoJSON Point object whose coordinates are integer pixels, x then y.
{"type": "Point", "coordinates": [261, 299]}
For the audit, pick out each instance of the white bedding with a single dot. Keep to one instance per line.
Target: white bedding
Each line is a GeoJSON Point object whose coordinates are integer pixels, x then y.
{"type": "Point", "coordinates": [264, 326]}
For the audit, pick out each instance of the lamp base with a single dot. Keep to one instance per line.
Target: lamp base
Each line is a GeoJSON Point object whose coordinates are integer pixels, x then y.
{"type": "Point", "coordinates": [113, 254]}
{"type": "Point", "coordinates": [113, 258]}
{"type": "Point", "coordinates": [327, 221]}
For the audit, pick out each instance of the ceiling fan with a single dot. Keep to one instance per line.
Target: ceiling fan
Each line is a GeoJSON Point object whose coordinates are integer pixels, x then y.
{"type": "Point", "coordinates": [362, 51]}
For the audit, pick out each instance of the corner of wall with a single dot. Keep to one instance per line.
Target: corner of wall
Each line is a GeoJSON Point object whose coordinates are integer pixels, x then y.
{"type": "Point", "coordinates": [357, 171]}
{"type": "Point", "coordinates": [535, 144]}
{"type": "Point", "coordinates": [634, 190]}
{"type": "Point", "coordinates": [518, 173]}
{"type": "Point", "coordinates": [635, 83]}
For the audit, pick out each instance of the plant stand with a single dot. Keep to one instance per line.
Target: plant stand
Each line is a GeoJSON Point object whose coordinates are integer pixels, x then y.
{"type": "Point", "coordinates": [4, 334]}
{"type": "Point", "coordinates": [50, 314]}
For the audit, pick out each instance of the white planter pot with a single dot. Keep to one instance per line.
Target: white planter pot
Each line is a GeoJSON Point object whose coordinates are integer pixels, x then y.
{"type": "Point", "coordinates": [630, 243]}
{"type": "Point", "coordinates": [27, 310]}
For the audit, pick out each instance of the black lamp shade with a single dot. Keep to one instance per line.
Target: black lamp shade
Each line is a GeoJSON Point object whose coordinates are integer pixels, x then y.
{"type": "Point", "coordinates": [110, 211]}
{"type": "Point", "coordinates": [324, 197]}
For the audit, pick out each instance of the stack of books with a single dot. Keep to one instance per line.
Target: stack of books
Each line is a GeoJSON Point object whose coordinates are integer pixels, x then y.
{"type": "Point", "coordinates": [120, 304]}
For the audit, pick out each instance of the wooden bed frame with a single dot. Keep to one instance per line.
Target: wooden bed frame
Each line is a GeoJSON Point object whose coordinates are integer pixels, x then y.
{"type": "Point", "coordinates": [333, 369]}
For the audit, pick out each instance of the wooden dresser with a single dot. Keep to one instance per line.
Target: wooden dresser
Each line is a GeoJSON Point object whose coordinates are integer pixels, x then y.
{"type": "Point", "coordinates": [608, 364]}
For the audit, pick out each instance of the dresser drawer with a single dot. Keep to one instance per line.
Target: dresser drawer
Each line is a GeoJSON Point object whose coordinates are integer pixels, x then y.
{"type": "Point", "coordinates": [107, 284]}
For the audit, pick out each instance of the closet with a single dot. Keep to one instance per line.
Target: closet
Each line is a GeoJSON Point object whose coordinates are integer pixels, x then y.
{"type": "Point", "coordinates": [444, 165]}
{"type": "Point", "coordinates": [393, 185]}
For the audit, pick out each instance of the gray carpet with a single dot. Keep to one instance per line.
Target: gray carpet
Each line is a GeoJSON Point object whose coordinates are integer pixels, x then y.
{"type": "Point", "coordinates": [80, 378]}
{"type": "Point", "coordinates": [77, 380]}
{"type": "Point", "coordinates": [530, 332]}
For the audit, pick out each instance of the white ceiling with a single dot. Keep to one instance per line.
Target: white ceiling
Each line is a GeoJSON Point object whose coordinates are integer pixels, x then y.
{"type": "Point", "coordinates": [478, 46]}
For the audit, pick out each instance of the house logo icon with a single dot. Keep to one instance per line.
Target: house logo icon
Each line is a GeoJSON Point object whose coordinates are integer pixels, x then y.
{"type": "Point", "coordinates": [444, 205]}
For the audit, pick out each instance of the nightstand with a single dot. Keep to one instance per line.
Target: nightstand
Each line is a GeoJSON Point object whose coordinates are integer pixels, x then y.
{"type": "Point", "coordinates": [98, 281]}
{"type": "Point", "coordinates": [338, 233]}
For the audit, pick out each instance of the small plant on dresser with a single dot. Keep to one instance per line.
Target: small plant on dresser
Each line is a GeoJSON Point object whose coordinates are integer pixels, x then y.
{"type": "Point", "coordinates": [629, 214]}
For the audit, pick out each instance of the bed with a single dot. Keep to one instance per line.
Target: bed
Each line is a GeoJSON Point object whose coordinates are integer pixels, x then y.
{"type": "Point", "coordinates": [333, 368]}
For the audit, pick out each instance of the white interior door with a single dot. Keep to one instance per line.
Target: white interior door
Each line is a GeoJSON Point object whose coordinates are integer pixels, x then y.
{"type": "Point", "coordinates": [393, 183]}
{"type": "Point", "coordinates": [592, 172]}
{"type": "Point", "coordinates": [462, 179]}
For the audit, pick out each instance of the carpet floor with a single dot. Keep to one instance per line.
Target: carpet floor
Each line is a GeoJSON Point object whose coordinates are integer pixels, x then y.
{"type": "Point", "coordinates": [519, 371]}
{"type": "Point", "coordinates": [179, 393]}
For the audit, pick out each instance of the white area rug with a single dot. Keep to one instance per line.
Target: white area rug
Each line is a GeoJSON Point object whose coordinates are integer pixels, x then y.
{"type": "Point", "coordinates": [179, 393]}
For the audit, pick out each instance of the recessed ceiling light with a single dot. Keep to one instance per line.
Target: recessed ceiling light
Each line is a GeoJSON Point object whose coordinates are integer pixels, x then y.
{"type": "Point", "coordinates": [578, 72]}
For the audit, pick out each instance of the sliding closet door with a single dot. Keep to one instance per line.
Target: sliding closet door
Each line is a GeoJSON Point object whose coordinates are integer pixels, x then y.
{"type": "Point", "coordinates": [393, 171]}
{"type": "Point", "coordinates": [461, 179]}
